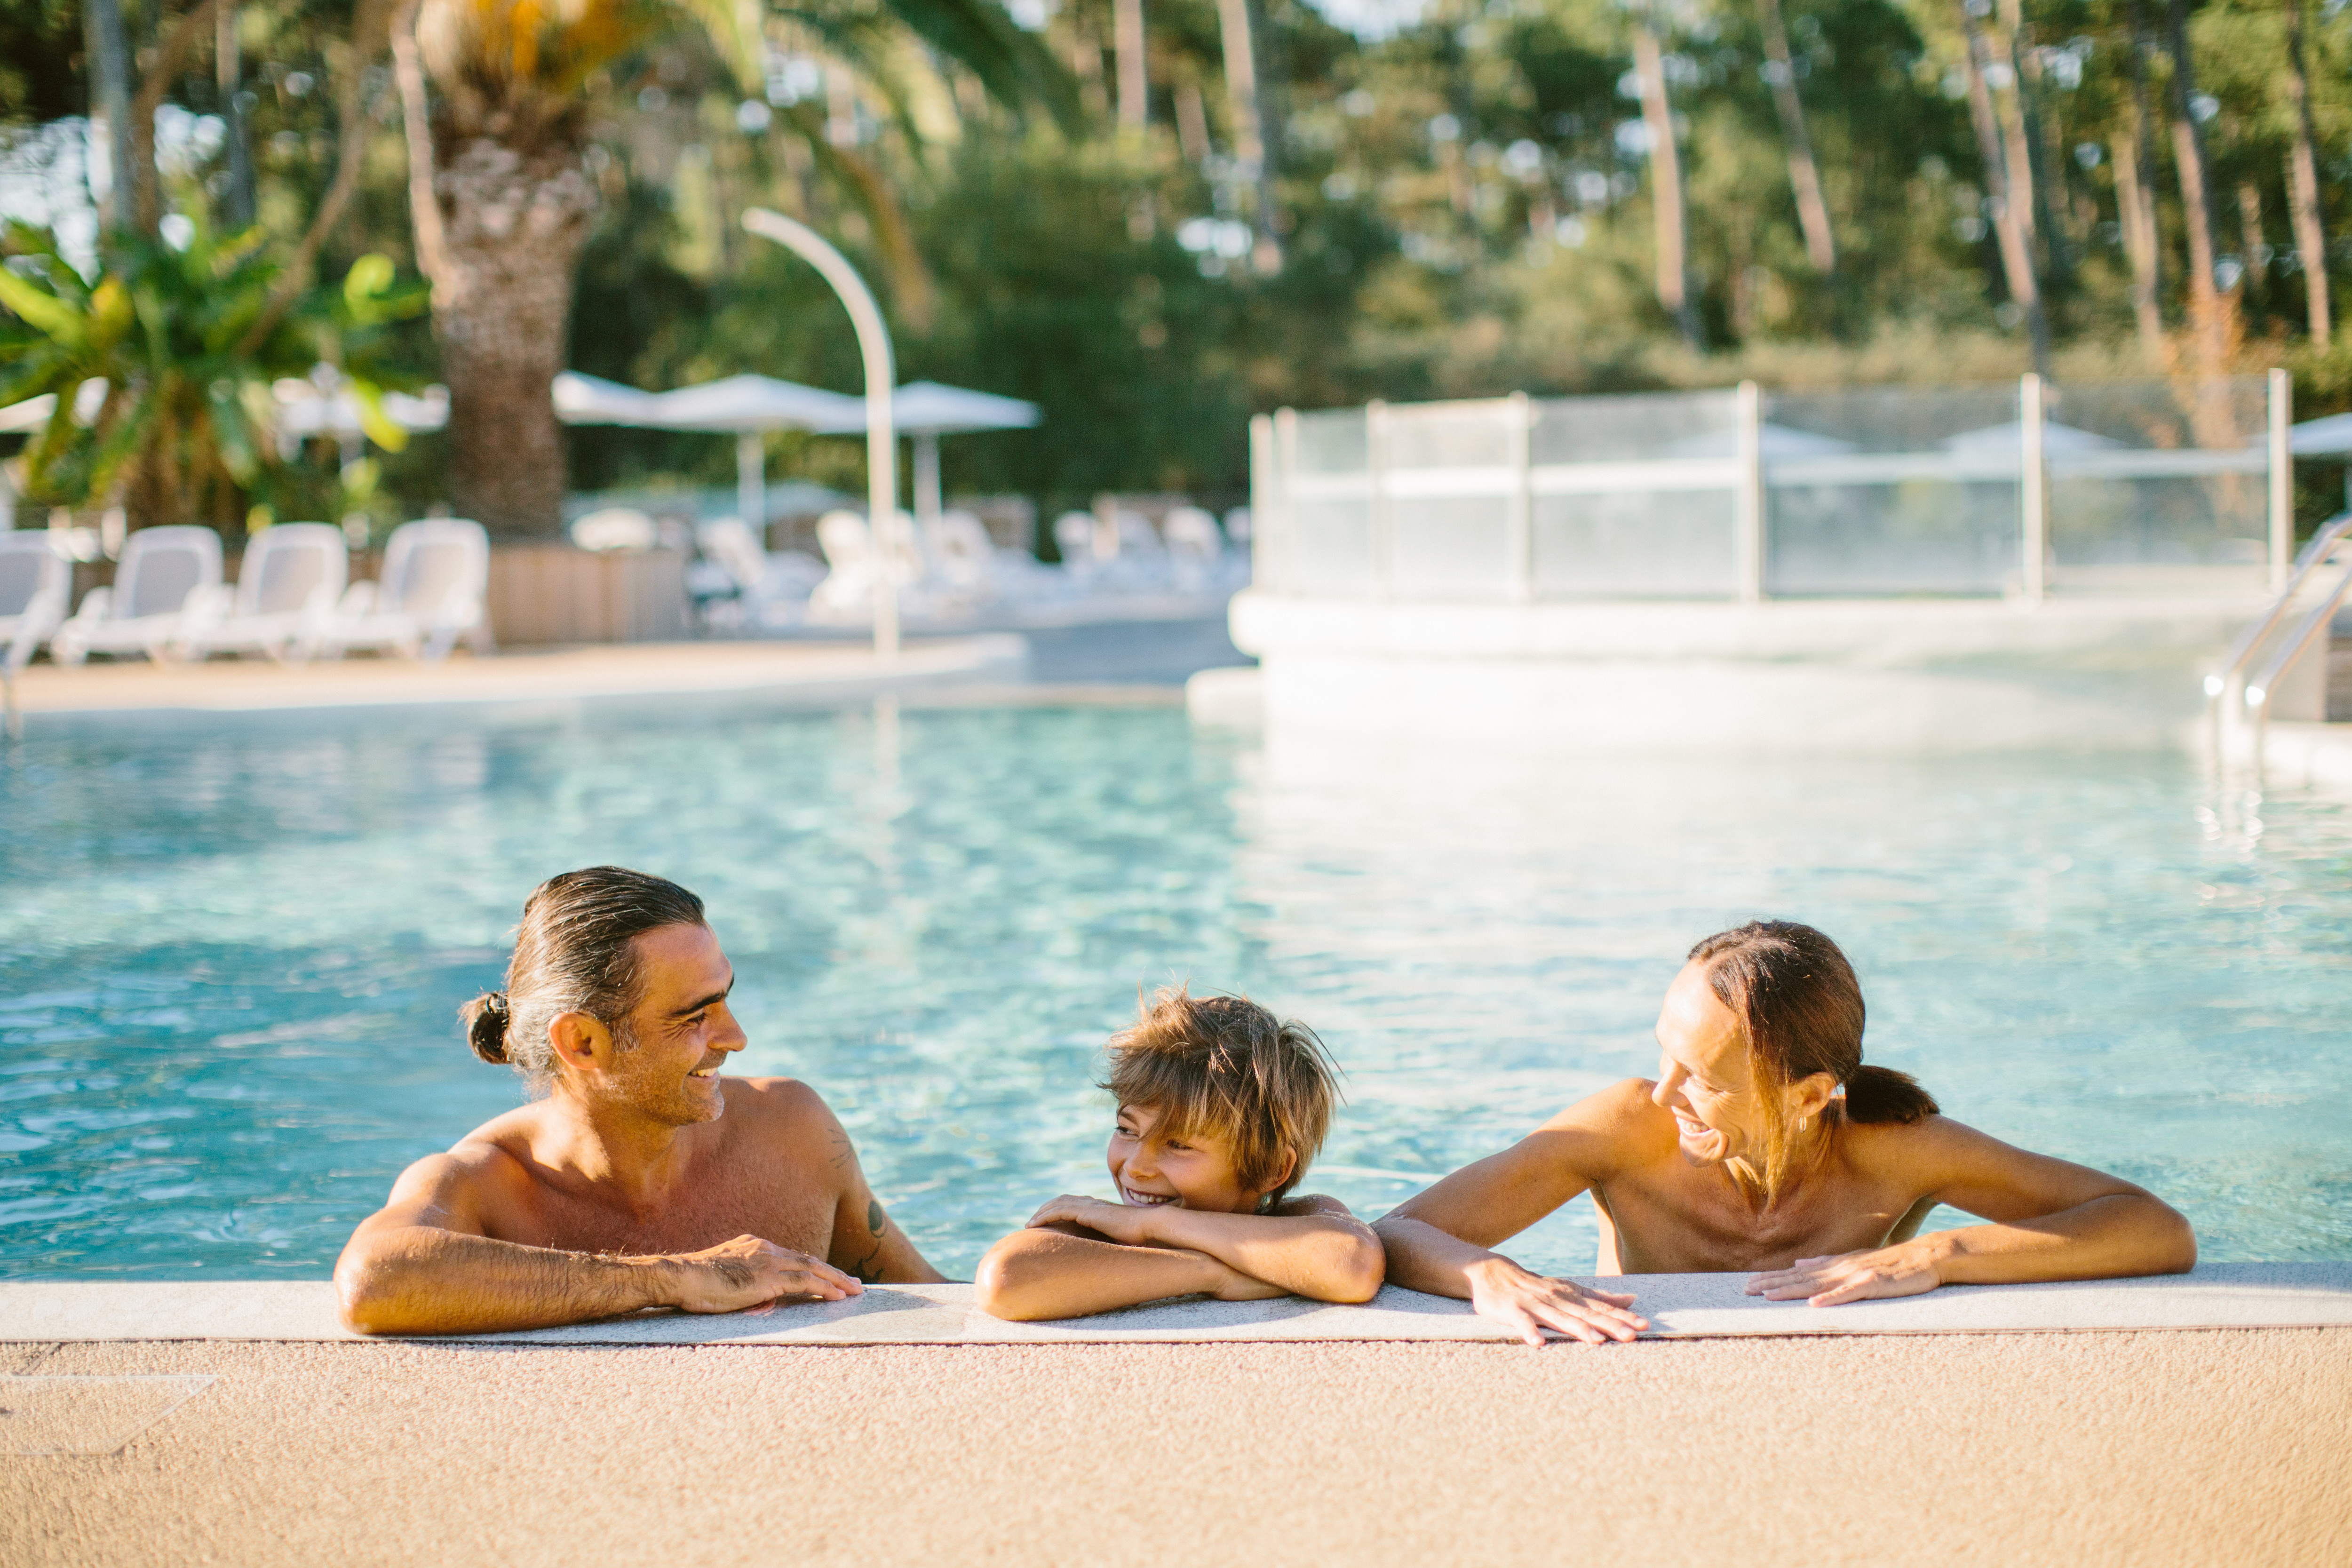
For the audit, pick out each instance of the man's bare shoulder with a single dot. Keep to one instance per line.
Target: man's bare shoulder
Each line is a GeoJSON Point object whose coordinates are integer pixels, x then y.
{"type": "Point", "coordinates": [783, 1100]}
{"type": "Point", "coordinates": [779, 1115]}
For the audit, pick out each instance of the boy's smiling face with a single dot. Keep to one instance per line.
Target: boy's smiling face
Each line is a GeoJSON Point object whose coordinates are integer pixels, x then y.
{"type": "Point", "coordinates": [1194, 1172]}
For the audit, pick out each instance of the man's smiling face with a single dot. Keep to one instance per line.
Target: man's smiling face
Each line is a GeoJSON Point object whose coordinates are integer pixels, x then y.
{"type": "Point", "coordinates": [682, 1029]}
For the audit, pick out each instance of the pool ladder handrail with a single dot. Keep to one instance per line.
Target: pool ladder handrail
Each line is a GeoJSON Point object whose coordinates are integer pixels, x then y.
{"type": "Point", "coordinates": [2250, 641]}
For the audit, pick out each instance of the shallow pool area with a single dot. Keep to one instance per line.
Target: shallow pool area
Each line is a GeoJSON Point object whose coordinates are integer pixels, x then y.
{"type": "Point", "coordinates": [231, 952]}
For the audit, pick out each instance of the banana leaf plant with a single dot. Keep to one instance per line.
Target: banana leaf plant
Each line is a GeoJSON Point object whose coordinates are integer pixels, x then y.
{"type": "Point", "coordinates": [188, 339]}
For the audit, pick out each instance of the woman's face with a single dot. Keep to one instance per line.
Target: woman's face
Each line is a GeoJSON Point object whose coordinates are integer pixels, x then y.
{"type": "Point", "coordinates": [1704, 1079]}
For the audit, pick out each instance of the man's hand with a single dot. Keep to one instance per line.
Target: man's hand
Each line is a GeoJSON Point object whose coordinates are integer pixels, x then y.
{"type": "Point", "coordinates": [1906, 1268]}
{"type": "Point", "coordinates": [1117, 1222]}
{"type": "Point", "coordinates": [1537, 1305]}
{"type": "Point", "coordinates": [748, 1272]}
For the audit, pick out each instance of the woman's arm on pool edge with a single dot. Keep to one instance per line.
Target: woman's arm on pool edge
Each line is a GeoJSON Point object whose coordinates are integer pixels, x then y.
{"type": "Point", "coordinates": [2050, 1220]}
{"type": "Point", "coordinates": [1055, 1270]}
{"type": "Point", "coordinates": [1439, 1241]}
{"type": "Point", "coordinates": [423, 1264]}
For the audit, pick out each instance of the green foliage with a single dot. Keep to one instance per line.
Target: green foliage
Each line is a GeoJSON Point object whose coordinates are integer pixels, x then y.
{"type": "Point", "coordinates": [184, 339]}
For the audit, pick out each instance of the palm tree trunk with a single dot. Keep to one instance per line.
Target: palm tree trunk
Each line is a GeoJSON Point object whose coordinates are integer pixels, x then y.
{"type": "Point", "coordinates": [2303, 185]}
{"type": "Point", "coordinates": [2007, 221]}
{"type": "Point", "coordinates": [1665, 186]}
{"type": "Point", "coordinates": [1246, 106]}
{"type": "Point", "coordinates": [512, 228]}
{"type": "Point", "coordinates": [1804, 177]}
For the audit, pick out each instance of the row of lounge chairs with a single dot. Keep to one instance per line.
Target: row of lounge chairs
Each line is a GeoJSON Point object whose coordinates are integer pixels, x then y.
{"type": "Point", "coordinates": [944, 567]}
{"type": "Point", "coordinates": [293, 600]}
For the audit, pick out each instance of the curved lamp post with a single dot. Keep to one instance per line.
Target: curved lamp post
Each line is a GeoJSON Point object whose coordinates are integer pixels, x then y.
{"type": "Point", "coordinates": [881, 381]}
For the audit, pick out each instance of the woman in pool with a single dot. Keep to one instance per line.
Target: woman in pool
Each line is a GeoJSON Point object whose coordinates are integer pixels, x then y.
{"type": "Point", "coordinates": [1765, 1144]}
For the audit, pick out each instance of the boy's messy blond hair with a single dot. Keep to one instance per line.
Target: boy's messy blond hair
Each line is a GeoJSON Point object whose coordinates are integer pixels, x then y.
{"type": "Point", "coordinates": [1225, 1066]}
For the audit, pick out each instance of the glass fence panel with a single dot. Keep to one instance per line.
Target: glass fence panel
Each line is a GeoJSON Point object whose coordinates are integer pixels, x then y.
{"type": "Point", "coordinates": [1956, 420]}
{"type": "Point", "coordinates": [2158, 482]}
{"type": "Point", "coordinates": [1643, 426]}
{"type": "Point", "coordinates": [1919, 536]}
{"type": "Point", "coordinates": [1329, 549]}
{"type": "Point", "coordinates": [1448, 436]}
{"type": "Point", "coordinates": [1671, 544]}
{"type": "Point", "coordinates": [1451, 548]}
{"type": "Point", "coordinates": [1333, 441]}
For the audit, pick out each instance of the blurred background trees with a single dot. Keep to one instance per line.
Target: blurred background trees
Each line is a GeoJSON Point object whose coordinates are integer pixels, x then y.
{"type": "Point", "coordinates": [1155, 217]}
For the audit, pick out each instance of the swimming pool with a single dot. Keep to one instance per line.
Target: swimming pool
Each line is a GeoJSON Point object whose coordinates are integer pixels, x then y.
{"type": "Point", "coordinates": [230, 954]}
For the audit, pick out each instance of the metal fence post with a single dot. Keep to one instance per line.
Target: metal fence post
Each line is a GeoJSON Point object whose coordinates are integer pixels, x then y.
{"type": "Point", "coordinates": [1261, 504]}
{"type": "Point", "coordinates": [1747, 499]}
{"type": "Point", "coordinates": [2032, 491]}
{"type": "Point", "coordinates": [1519, 519]}
{"type": "Point", "coordinates": [1285, 466]}
{"type": "Point", "coordinates": [1376, 454]}
{"type": "Point", "coordinates": [2281, 474]}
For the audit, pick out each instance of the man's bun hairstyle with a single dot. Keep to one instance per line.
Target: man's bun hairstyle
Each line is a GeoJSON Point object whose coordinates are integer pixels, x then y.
{"type": "Point", "coordinates": [574, 952]}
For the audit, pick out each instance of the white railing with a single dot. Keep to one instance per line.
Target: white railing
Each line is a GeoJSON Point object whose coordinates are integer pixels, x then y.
{"type": "Point", "coordinates": [1740, 494]}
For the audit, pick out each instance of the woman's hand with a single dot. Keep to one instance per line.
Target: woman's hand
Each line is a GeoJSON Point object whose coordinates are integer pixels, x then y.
{"type": "Point", "coordinates": [1537, 1305]}
{"type": "Point", "coordinates": [1117, 1222]}
{"type": "Point", "coordinates": [1906, 1268]}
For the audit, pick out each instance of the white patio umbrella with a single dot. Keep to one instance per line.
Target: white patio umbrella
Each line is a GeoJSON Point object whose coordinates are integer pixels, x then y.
{"type": "Point", "coordinates": [927, 410]}
{"type": "Point", "coordinates": [591, 400]}
{"type": "Point", "coordinates": [746, 405]}
{"type": "Point", "coordinates": [322, 406]}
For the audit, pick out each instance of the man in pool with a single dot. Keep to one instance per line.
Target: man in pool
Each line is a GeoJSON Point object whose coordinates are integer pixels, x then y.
{"type": "Point", "coordinates": [639, 1177]}
{"type": "Point", "coordinates": [1765, 1144]}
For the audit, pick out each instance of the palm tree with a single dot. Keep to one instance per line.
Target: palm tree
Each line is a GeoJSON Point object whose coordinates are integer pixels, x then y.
{"type": "Point", "coordinates": [502, 203]}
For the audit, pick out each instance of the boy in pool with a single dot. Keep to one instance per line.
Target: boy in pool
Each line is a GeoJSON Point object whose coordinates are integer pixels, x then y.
{"type": "Point", "coordinates": [1220, 1109]}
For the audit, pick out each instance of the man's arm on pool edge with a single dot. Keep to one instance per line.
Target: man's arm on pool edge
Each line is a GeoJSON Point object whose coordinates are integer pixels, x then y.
{"type": "Point", "coordinates": [423, 1264]}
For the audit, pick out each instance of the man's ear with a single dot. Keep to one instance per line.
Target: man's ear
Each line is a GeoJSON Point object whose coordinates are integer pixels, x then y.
{"type": "Point", "coordinates": [580, 1041]}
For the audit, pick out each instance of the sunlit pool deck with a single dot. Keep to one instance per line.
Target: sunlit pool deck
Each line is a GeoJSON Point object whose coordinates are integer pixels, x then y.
{"type": "Point", "coordinates": [2181, 1447]}
{"type": "Point", "coordinates": [810, 671]}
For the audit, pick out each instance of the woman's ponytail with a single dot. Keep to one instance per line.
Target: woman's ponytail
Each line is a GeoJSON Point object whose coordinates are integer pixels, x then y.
{"type": "Point", "coordinates": [486, 1017]}
{"type": "Point", "coordinates": [1876, 1094]}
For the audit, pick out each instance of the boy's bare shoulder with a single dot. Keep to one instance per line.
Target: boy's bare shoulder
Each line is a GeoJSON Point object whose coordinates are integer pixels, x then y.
{"type": "Point", "coordinates": [1297, 1208]}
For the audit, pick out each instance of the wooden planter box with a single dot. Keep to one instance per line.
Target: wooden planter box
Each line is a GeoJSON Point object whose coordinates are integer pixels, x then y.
{"type": "Point", "coordinates": [557, 594]}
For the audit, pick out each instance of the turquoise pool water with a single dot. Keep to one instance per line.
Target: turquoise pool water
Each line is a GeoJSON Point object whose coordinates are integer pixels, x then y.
{"type": "Point", "coordinates": [230, 954]}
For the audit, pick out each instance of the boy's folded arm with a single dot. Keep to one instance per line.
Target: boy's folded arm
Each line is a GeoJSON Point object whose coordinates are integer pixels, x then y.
{"type": "Point", "coordinates": [1058, 1271]}
{"type": "Point", "coordinates": [1311, 1247]}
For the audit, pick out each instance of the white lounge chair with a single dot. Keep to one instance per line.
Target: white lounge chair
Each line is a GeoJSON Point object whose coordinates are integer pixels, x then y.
{"type": "Point", "coordinates": [161, 569]}
{"type": "Point", "coordinates": [36, 586]}
{"type": "Point", "coordinates": [771, 589]}
{"type": "Point", "coordinates": [848, 592]}
{"type": "Point", "coordinates": [1073, 536]}
{"type": "Point", "coordinates": [287, 589]}
{"type": "Point", "coordinates": [435, 573]}
{"type": "Point", "coordinates": [617, 528]}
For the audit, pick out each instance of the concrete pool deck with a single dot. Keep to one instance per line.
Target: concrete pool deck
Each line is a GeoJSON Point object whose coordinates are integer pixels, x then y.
{"type": "Point", "coordinates": [2142, 1448]}
{"type": "Point", "coordinates": [816, 671]}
